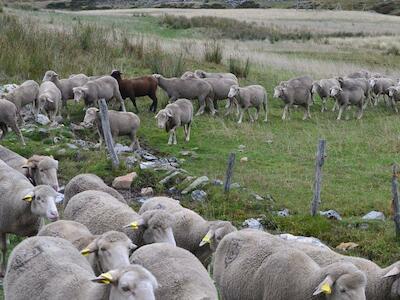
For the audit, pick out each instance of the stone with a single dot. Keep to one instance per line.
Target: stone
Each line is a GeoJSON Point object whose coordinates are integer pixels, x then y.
{"type": "Point", "coordinates": [43, 132]}
{"type": "Point", "coordinates": [363, 226]}
{"type": "Point", "coordinates": [149, 157]}
{"type": "Point", "coordinates": [185, 153]}
{"type": "Point", "coordinates": [61, 151]}
{"type": "Point", "coordinates": [169, 177]}
{"type": "Point", "coordinates": [130, 162]}
{"type": "Point", "coordinates": [72, 146]}
{"type": "Point", "coordinates": [283, 213]}
{"type": "Point", "coordinates": [147, 191]}
{"type": "Point", "coordinates": [121, 148]}
{"type": "Point", "coordinates": [42, 119]}
{"type": "Point", "coordinates": [303, 239]}
{"type": "Point", "coordinates": [4, 89]}
{"type": "Point", "coordinates": [124, 182]}
{"type": "Point", "coordinates": [253, 224]}
{"type": "Point", "coordinates": [374, 215]}
{"type": "Point", "coordinates": [199, 195]}
{"type": "Point", "coordinates": [75, 127]}
{"type": "Point", "coordinates": [331, 214]}
{"type": "Point", "coordinates": [217, 182]}
{"type": "Point", "coordinates": [257, 196]}
{"type": "Point", "coordinates": [201, 181]}
{"type": "Point", "coordinates": [241, 148]}
{"type": "Point", "coordinates": [347, 246]}
{"type": "Point", "coordinates": [244, 159]}
{"type": "Point", "coordinates": [235, 185]}
{"type": "Point", "coordinates": [59, 198]}
{"type": "Point", "coordinates": [57, 139]}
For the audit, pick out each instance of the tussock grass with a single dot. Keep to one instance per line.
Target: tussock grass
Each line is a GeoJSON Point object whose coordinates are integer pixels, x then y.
{"type": "Point", "coordinates": [239, 67]}
{"type": "Point", "coordinates": [213, 52]}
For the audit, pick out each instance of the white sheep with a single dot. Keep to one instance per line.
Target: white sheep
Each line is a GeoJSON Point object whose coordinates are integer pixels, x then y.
{"type": "Point", "coordinates": [346, 97]}
{"type": "Point", "coordinates": [323, 88]}
{"type": "Point", "coordinates": [250, 96]}
{"type": "Point", "coordinates": [49, 268]}
{"type": "Point", "coordinates": [251, 264]}
{"type": "Point", "coordinates": [8, 118]}
{"type": "Point", "coordinates": [179, 273]}
{"type": "Point", "coordinates": [49, 100]}
{"type": "Point", "coordinates": [203, 74]}
{"type": "Point", "coordinates": [179, 113]}
{"type": "Point", "coordinates": [22, 206]}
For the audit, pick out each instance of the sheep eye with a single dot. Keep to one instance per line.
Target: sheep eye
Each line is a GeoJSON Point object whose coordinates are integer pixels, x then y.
{"type": "Point", "coordinates": [103, 249]}
{"type": "Point", "coordinates": [342, 290]}
{"type": "Point", "coordinates": [125, 288]}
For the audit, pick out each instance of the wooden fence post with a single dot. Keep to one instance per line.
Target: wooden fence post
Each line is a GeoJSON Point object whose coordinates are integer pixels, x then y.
{"type": "Point", "coordinates": [105, 125]}
{"type": "Point", "coordinates": [395, 203]}
{"type": "Point", "coordinates": [319, 162]}
{"type": "Point", "coordinates": [229, 172]}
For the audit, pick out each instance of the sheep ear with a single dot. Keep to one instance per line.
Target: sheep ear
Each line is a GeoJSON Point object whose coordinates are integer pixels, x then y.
{"type": "Point", "coordinates": [106, 278]}
{"type": "Point", "coordinates": [169, 114]}
{"type": "Point", "coordinates": [92, 247]}
{"type": "Point", "coordinates": [325, 286]}
{"type": "Point", "coordinates": [157, 115]}
{"type": "Point", "coordinates": [29, 197]}
{"type": "Point", "coordinates": [393, 272]}
{"type": "Point", "coordinates": [50, 100]}
{"type": "Point", "coordinates": [207, 238]}
{"type": "Point", "coordinates": [135, 224]}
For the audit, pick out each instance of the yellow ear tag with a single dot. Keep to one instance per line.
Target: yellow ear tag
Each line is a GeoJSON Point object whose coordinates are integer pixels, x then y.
{"type": "Point", "coordinates": [85, 252]}
{"type": "Point", "coordinates": [207, 239]}
{"type": "Point", "coordinates": [326, 288]}
{"type": "Point", "coordinates": [106, 278]}
{"type": "Point", "coordinates": [134, 225]}
{"type": "Point", "coordinates": [28, 198]}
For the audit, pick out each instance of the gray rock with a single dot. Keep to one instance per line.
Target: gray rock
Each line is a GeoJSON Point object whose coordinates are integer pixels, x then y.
{"type": "Point", "coordinates": [257, 196]}
{"type": "Point", "coordinates": [169, 177]}
{"type": "Point", "coordinates": [241, 148]}
{"type": "Point", "coordinates": [253, 224]}
{"type": "Point", "coordinates": [201, 181]}
{"type": "Point", "coordinates": [148, 156]}
{"type": "Point", "coordinates": [59, 198]}
{"type": "Point", "coordinates": [374, 215]}
{"type": "Point", "coordinates": [42, 119]}
{"type": "Point", "coordinates": [331, 214]}
{"type": "Point", "coordinates": [72, 146]}
{"type": "Point", "coordinates": [185, 152]}
{"type": "Point", "coordinates": [199, 195]}
{"type": "Point", "coordinates": [75, 127]}
{"type": "Point", "coordinates": [283, 213]}
{"type": "Point", "coordinates": [364, 226]}
{"type": "Point", "coordinates": [142, 200]}
{"type": "Point", "coordinates": [130, 162]}
{"type": "Point", "coordinates": [4, 89]}
{"type": "Point", "coordinates": [61, 151]}
{"type": "Point", "coordinates": [147, 191]}
{"type": "Point", "coordinates": [217, 182]}
{"type": "Point", "coordinates": [235, 185]}
{"type": "Point", "coordinates": [121, 148]}
{"type": "Point", "coordinates": [57, 139]}
{"type": "Point", "coordinates": [303, 239]}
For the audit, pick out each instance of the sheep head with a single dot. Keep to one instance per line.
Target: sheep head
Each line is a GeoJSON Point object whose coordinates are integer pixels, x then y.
{"type": "Point", "coordinates": [157, 76]}
{"type": "Point", "coordinates": [79, 93]}
{"type": "Point", "coordinates": [116, 74]}
{"type": "Point", "coordinates": [128, 281]}
{"type": "Point", "coordinates": [335, 91]}
{"type": "Point", "coordinates": [278, 91]}
{"type": "Point", "coordinates": [112, 250]}
{"type": "Point", "coordinates": [216, 232]}
{"type": "Point", "coordinates": [50, 76]}
{"type": "Point", "coordinates": [43, 100]}
{"type": "Point", "coordinates": [43, 170]}
{"type": "Point", "coordinates": [162, 118]}
{"type": "Point", "coordinates": [393, 273]}
{"type": "Point", "coordinates": [42, 199]}
{"type": "Point", "coordinates": [233, 91]}
{"type": "Point", "coordinates": [90, 117]}
{"type": "Point", "coordinates": [200, 74]}
{"type": "Point", "coordinates": [372, 82]}
{"type": "Point", "coordinates": [315, 87]}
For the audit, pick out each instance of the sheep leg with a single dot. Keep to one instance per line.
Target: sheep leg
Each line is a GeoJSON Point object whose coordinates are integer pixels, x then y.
{"type": "Point", "coordinates": [175, 141]}
{"type": "Point", "coordinates": [153, 106]}
{"type": "Point", "coordinates": [133, 99]}
{"type": "Point", "coordinates": [360, 111]}
{"type": "Point", "coordinates": [229, 107]}
{"type": "Point", "coordinates": [172, 137]}
{"type": "Point", "coordinates": [335, 106]}
{"type": "Point", "coordinates": [285, 111]}
{"type": "Point", "coordinates": [211, 106]}
{"type": "Point", "coordinates": [342, 107]}
{"type": "Point", "coordinates": [134, 141]}
{"type": "Point", "coordinates": [250, 116]}
{"type": "Point", "coordinates": [15, 128]}
{"type": "Point", "coordinates": [202, 107]}
{"type": "Point", "coordinates": [394, 105]}
{"type": "Point", "coordinates": [4, 253]}
{"type": "Point", "coordinates": [187, 138]}
{"type": "Point", "coordinates": [305, 116]}
{"type": "Point", "coordinates": [241, 116]}
{"type": "Point", "coordinates": [323, 108]}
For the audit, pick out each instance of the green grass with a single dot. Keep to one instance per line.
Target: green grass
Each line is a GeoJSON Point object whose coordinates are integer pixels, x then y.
{"type": "Point", "coordinates": [280, 167]}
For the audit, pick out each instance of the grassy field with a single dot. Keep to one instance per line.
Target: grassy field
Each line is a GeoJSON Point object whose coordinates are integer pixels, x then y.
{"type": "Point", "coordinates": [280, 166]}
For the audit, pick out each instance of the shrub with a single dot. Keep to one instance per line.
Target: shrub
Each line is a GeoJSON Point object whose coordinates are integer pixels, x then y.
{"type": "Point", "coordinates": [248, 4]}
{"type": "Point", "coordinates": [213, 52]}
{"type": "Point", "coordinates": [393, 50]}
{"type": "Point", "coordinates": [239, 67]}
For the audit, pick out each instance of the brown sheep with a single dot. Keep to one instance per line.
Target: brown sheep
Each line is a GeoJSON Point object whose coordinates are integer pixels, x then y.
{"type": "Point", "coordinates": [137, 87]}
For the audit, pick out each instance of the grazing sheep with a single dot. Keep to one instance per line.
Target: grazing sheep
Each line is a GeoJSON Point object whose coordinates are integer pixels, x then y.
{"type": "Point", "coordinates": [49, 100]}
{"type": "Point", "coordinates": [26, 93]}
{"type": "Point", "coordinates": [250, 96]}
{"type": "Point", "coordinates": [49, 268]}
{"type": "Point", "coordinates": [100, 213]}
{"type": "Point", "coordinates": [323, 89]}
{"type": "Point", "coordinates": [294, 96]}
{"type": "Point", "coordinates": [251, 264]}
{"type": "Point", "coordinates": [346, 97]}
{"type": "Point", "coordinates": [105, 252]}
{"type": "Point", "coordinates": [190, 88]}
{"type": "Point", "coordinates": [179, 113]}
{"type": "Point", "coordinates": [8, 118]}
{"type": "Point", "coordinates": [360, 74]}
{"type": "Point", "coordinates": [382, 283]}
{"type": "Point", "coordinates": [380, 86]}
{"type": "Point", "coordinates": [66, 85]}
{"type": "Point", "coordinates": [22, 206]}
{"type": "Point", "coordinates": [394, 96]}
{"type": "Point", "coordinates": [203, 74]}
{"type": "Point", "coordinates": [84, 182]}
{"type": "Point", "coordinates": [105, 87]}
{"type": "Point", "coordinates": [137, 87]}
{"type": "Point", "coordinates": [179, 273]}
{"type": "Point", "coordinates": [38, 169]}
{"type": "Point", "coordinates": [221, 88]}
{"type": "Point", "coordinates": [303, 81]}
{"type": "Point", "coordinates": [191, 231]}
{"type": "Point", "coordinates": [350, 83]}
{"type": "Point", "coordinates": [121, 123]}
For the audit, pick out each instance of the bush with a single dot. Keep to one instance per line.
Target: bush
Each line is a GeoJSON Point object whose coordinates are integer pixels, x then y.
{"type": "Point", "coordinates": [159, 62]}
{"type": "Point", "coordinates": [393, 50]}
{"type": "Point", "coordinates": [213, 52]}
{"type": "Point", "coordinates": [248, 4]}
{"type": "Point", "coordinates": [239, 68]}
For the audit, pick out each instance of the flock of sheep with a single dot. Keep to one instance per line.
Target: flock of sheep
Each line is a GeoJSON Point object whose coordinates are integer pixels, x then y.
{"type": "Point", "coordinates": [103, 249]}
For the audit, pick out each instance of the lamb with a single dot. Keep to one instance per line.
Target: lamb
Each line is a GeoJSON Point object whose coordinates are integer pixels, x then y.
{"type": "Point", "coordinates": [346, 97]}
{"type": "Point", "coordinates": [26, 93]}
{"type": "Point", "coordinates": [49, 100]}
{"type": "Point", "coordinates": [121, 123]}
{"type": "Point", "coordinates": [100, 213]}
{"type": "Point", "coordinates": [294, 96]}
{"type": "Point", "coordinates": [105, 252]}
{"type": "Point", "coordinates": [203, 74]}
{"type": "Point", "coordinates": [323, 88]}
{"type": "Point", "coordinates": [191, 89]}
{"type": "Point", "coordinates": [48, 268]}
{"type": "Point", "coordinates": [250, 96]}
{"type": "Point", "coordinates": [179, 113]}
{"type": "Point", "coordinates": [179, 273]}
{"type": "Point", "coordinates": [251, 264]}
{"type": "Point", "coordinates": [22, 206]}
{"type": "Point", "coordinates": [38, 169]}
{"type": "Point", "coordinates": [8, 118]}
{"type": "Point", "coordinates": [66, 85]}
{"type": "Point", "coordinates": [105, 87]}
{"type": "Point", "coordinates": [137, 87]}
{"type": "Point", "coordinates": [191, 231]}
{"type": "Point", "coordinates": [84, 182]}
{"type": "Point", "coordinates": [382, 283]}
{"type": "Point", "coordinates": [380, 86]}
